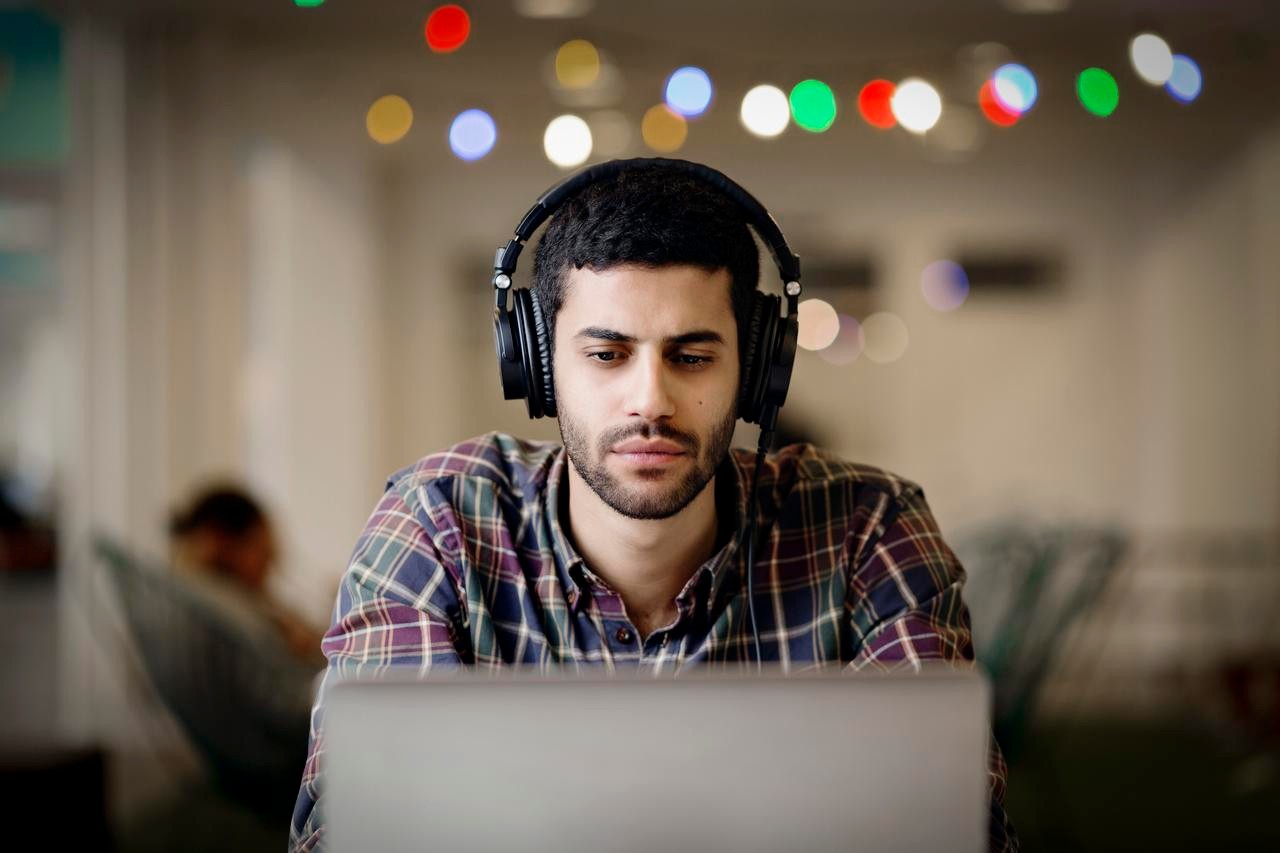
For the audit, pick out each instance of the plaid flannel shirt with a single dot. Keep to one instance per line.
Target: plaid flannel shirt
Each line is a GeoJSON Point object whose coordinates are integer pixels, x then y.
{"type": "Point", "coordinates": [466, 562]}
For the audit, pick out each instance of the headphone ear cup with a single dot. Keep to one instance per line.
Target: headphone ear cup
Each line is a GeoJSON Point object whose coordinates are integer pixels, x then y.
{"type": "Point", "coordinates": [506, 344]}
{"type": "Point", "coordinates": [527, 345]}
{"type": "Point", "coordinates": [542, 336]}
{"type": "Point", "coordinates": [782, 361]}
{"type": "Point", "coordinates": [757, 355]}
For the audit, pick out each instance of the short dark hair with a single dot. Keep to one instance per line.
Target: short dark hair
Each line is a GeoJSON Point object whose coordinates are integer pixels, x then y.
{"type": "Point", "coordinates": [649, 214]}
{"type": "Point", "coordinates": [225, 509]}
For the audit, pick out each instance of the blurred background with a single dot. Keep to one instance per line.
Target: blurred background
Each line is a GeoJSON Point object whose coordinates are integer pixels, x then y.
{"type": "Point", "coordinates": [245, 249]}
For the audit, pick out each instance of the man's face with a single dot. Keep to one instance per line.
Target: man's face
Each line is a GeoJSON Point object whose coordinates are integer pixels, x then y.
{"type": "Point", "coordinates": [646, 376]}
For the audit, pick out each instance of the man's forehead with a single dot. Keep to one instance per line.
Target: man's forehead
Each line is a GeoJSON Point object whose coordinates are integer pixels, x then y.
{"type": "Point", "coordinates": [648, 301]}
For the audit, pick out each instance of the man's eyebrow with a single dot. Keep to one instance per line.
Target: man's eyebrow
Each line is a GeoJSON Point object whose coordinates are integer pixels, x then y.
{"type": "Point", "coordinates": [697, 336]}
{"type": "Point", "coordinates": [601, 334]}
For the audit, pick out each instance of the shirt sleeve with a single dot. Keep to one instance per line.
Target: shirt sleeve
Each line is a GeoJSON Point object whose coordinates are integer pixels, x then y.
{"type": "Point", "coordinates": [905, 607]}
{"type": "Point", "coordinates": [397, 607]}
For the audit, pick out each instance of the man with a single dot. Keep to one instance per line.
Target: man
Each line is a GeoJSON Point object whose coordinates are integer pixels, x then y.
{"type": "Point", "coordinates": [623, 549]}
{"type": "Point", "coordinates": [225, 545]}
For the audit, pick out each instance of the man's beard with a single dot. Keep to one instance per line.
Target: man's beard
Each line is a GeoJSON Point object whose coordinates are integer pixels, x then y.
{"type": "Point", "coordinates": [592, 467]}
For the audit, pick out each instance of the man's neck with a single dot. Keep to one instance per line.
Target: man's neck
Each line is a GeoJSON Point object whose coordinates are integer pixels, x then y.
{"type": "Point", "coordinates": [648, 562]}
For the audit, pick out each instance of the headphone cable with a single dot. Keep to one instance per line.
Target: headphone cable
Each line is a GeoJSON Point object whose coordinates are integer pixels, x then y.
{"type": "Point", "coordinates": [766, 438]}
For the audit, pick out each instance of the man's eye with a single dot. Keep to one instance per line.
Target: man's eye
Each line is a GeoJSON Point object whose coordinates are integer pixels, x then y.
{"type": "Point", "coordinates": [602, 356]}
{"type": "Point", "coordinates": [693, 360]}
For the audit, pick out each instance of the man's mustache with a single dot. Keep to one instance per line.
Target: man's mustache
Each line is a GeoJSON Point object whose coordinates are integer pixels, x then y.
{"type": "Point", "coordinates": [644, 430]}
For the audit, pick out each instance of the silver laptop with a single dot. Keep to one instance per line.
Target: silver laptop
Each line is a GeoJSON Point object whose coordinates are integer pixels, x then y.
{"type": "Point", "coordinates": [705, 763]}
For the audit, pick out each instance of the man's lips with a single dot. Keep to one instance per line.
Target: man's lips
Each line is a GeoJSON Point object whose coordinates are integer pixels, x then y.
{"type": "Point", "coordinates": [649, 452]}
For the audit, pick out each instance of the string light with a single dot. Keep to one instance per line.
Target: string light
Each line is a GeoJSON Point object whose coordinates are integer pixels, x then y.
{"type": "Point", "coordinates": [945, 285]}
{"type": "Point", "coordinates": [1014, 86]}
{"type": "Point", "coordinates": [848, 345]}
{"type": "Point", "coordinates": [1151, 57]}
{"type": "Point", "coordinates": [993, 109]}
{"type": "Point", "coordinates": [885, 337]}
{"type": "Point", "coordinates": [1185, 81]}
{"type": "Point", "coordinates": [813, 105]}
{"type": "Point", "coordinates": [448, 28]}
{"type": "Point", "coordinates": [875, 104]}
{"type": "Point", "coordinates": [663, 130]}
{"type": "Point", "coordinates": [567, 141]}
{"type": "Point", "coordinates": [577, 64]}
{"type": "Point", "coordinates": [688, 91]}
{"type": "Point", "coordinates": [916, 105]}
{"type": "Point", "coordinates": [1097, 91]}
{"type": "Point", "coordinates": [472, 134]}
{"type": "Point", "coordinates": [819, 324]}
{"type": "Point", "coordinates": [765, 111]}
{"type": "Point", "coordinates": [388, 119]}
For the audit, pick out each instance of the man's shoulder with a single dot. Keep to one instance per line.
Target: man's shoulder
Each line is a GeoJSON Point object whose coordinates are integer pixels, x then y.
{"type": "Point", "coordinates": [509, 463]}
{"type": "Point", "coordinates": [805, 466]}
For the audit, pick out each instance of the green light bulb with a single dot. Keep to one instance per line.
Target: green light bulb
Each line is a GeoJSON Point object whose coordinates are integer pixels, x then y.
{"type": "Point", "coordinates": [1097, 91]}
{"type": "Point", "coordinates": [813, 105]}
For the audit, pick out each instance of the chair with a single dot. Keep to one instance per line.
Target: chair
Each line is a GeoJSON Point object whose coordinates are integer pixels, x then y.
{"type": "Point", "coordinates": [1028, 585]}
{"type": "Point", "coordinates": [245, 708]}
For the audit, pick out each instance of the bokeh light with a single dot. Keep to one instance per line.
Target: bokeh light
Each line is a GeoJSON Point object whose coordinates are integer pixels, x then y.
{"type": "Point", "coordinates": [308, 4]}
{"type": "Point", "coordinates": [1185, 82]}
{"type": "Point", "coordinates": [945, 285]}
{"type": "Point", "coordinates": [765, 111]}
{"type": "Point", "coordinates": [819, 324]}
{"type": "Point", "coordinates": [916, 105]}
{"type": "Point", "coordinates": [1151, 57]}
{"type": "Point", "coordinates": [956, 137]}
{"type": "Point", "coordinates": [993, 109]}
{"type": "Point", "coordinates": [577, 64]}
{"type": "Point", "coordinates": [663, 130]}
{"type": "Point", "coordinates": [1014, 86]}
{"type": "Point", "coordinates": [448, 28]}
{"type": "Point", "coordinates": [688, 91]}
{"type": "Point", "coordinates": [1097, 91]}
{"type": "Point", "coordinates": [472, 134]}
{"type": "Point", "coordinates": [1037, 7]}
{"type": "Point", "coordinates": [848, 344]}
{"type": "Point", "coordinates": [875, 104]}
{"type": "Point", "coordinates": [553, 8]}
{"type": "Point", "coordinates": [813, 105]}
{"type": "Point", "coordinates": [610, 132]}
{"type": "Point", "coordinates": [567, 141]}
{"type": "Point", "coordinates": [388, 119]}
{"type": "Point", "coordinates": [885, 337]}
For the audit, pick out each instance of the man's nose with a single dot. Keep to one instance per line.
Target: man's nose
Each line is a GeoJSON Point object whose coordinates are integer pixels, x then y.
{"type": "Point", "coordinates": [650, 391]}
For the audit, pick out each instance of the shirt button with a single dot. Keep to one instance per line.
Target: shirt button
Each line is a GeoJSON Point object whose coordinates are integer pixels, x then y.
{"type": "Point", "coordinates": [623, 635]}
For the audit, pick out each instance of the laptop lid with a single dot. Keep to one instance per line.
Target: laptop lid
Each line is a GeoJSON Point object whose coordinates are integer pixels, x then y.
{"type": "Point", "coordinates": [702, 762]}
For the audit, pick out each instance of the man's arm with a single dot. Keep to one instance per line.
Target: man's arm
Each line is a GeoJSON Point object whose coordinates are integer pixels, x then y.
{"type": "Point", "coordinates": [904, 606]}
{"type": "Point", "coordinates": [394, 608]}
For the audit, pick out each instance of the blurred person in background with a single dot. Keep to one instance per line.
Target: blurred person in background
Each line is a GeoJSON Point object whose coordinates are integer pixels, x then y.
{"type": "Point", "coordinates": [225, 544]}
{"type": "Point", "coordinates": [26, 544]}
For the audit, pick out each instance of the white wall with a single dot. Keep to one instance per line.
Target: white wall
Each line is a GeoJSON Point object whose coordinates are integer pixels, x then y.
{"type": "Point", "coordinates": [281, 300]}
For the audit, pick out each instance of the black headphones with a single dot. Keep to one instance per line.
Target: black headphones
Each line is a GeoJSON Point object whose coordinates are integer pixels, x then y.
{"type": "Point", "coordinates": [520, 330]}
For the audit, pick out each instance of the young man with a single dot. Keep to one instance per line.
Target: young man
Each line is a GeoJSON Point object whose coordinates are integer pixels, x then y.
{"type": "Point", "coordinates": [622, 549]}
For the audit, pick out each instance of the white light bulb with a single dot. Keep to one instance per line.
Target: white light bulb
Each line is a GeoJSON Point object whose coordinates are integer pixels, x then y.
{"type": "Point", "coordinates": [1151, 58]}
{"type": "Point", "coordinates": [567, 141]}
{"type": "Point", "coordinates": [916, 105]}
{"type": "Point", "coordinates": [765, 111]}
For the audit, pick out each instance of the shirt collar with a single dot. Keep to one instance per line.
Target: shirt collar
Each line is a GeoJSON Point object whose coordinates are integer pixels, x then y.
{"type": "Point", "coordinates": [569, 563]}
{"type": "Point", "coordinates": [723, 568]}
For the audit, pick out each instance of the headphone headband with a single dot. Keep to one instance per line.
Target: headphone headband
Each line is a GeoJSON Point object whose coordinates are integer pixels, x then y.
{"type": "Point", "coordinates": [756, 215]}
